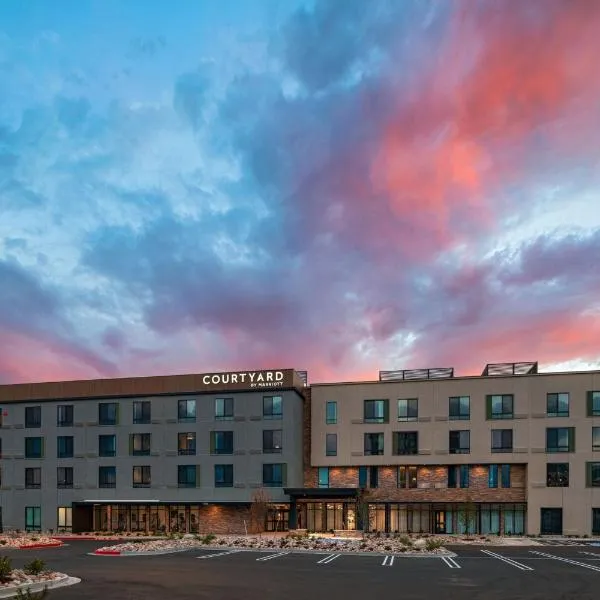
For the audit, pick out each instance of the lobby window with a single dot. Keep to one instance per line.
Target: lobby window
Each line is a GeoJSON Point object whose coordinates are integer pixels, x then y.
{"type": "Point", "coordinates": [186, 411]}
{"type": "Point", "coordinates": [504, 471]}
{"type": "Point", "coordinates": [408, 409]}
{"type": "Point", "coordinates": [272, 441]}
{"type": "Point", "coordinates": [221, 442]}
{"type": "Point", "coordinates": [592, 474]}
{"type": "Point", "coordinates": [323, 477]}
{"type": "Point", "coordinates": [108, 413]}
{"type": "Point", "coordinates": [64, 477]}
{"type": "Point", "coordinates": [373, 444]}
{"type": "Point", "coordinates": [33, 518]}
{"type": "Point", "coordinates": [141, 476]}
{"type": "Point", "coordinates": [139, 444]}
{"type": "Point", "coordinates": [223, 476]}
{"type": "Point", "coordinates": [107, 477]}
{"type": "Point", "coordinates": [595, 438]}
{"type": "Point", "coordinates": [64, 415]}
{"type": "Point", "coordinates": [459, 442]}
{"type": "Point", "coordinates": [33, 417]}
{"type": "Point", "coordinates": [64, 518]}
{"type": "Point", "coordinates": [107, 445]}
{"type": "Point", "coordinates": [362, 477]}
{"type": "Point", "coordinates": [188, 476]}
{"type": "Point", "coordinates": [331, 444]}
{"type": "Point", "coordinates": [272, 407]}
{"type": "Point", "coordinates": [560, 439]}
{"type": "Point", "coordinates": [499, 406]}
{"type": "Point", "coordinates": [33, 478]}
{"type": "Point", "coordinates": [458, 476]}
{"type": "Point", "coordinates": [593, 404]}
{"type": "Point", "coordinates": [557, 405]}
{"type": "Point", "coordinates": [376, 411]}
{"type": "Point", "coordinates": [557, 475]}
{"type": "Point", "coordinates": [331, 413]}
{"type": "Point", "coordinates": [142, 412]}
{"type": "Point", "coordinates": [373, 477]}
{"type": "Point", "coordinates": [505, 476]}
{"type": "Point", "coordinates": [492, 476]}
{"type": "Point", "coordinates": [34, 447]}
{"type": "Point", "coordinates": [407, 477]}
{"type": "Point", "coordinates": [595, 521]}
{"type": "Point", "coordinates": [186, 443]}
{"type": "Point", "coordinates": [502, 440]}
{"type": "Point", "coordinates": [275, 475]}
{"type": "Point", "coordinates": [405, 442]}
{"type": "Point", "coordinates": [64, 446]}
{"type": "Point", "coordinates": [459, 408]}
{"type": "Point", "coordinates": [223, 409]}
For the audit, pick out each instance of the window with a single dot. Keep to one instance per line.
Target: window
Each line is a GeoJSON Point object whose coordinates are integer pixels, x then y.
{"type": "Point", "coordinates": [373, 477]}
{"type": "Point", "coordinates": [373, 444]}
{"type": "Point", "coordinates": [186, 443]}
{"type": "Point", "coordinates": [323, 477]}
{"type": "Point", "coordinates": [502, 440]}
{"type": "Point", "coordinates": [107, 445]}
{"type": "Point", "coordinates": [560, 439]}
{"type": "Point", "coordinates": [377, 411]}
{"type": "Point", "coordinates": [107, 477]}
{"type": "Point", "coordinates": [331, 444]}
{"type": "Point", "coordinates": [407, 477]}
{"type": "Point", "coordinates": [459, 442]}
{"type": "Point", "coordinates": [108, 413]}
{"type": "Point", "coordinates": [33, 478]}
{"type": "Point", "coordinates": [272, 441]}
{"type": "Point", "coordinates": [64, 446]}
{"type": "Point", "coordinates": [64, 477]}
{"type": "Point", "coordinates": [139, 444]}
{"type": "Point", "coordinates": [33, 518]}
{"type": "Point", "coordinates": [557, 475]}
{"type": "Point", "coordinates": [557, 405]}
{"type": "Point", "coordinates": [188, 476]}
{"type": "Point", "coordinates": [458, 476]}
{"type": "Point", "coordinates": [595, 521]}
{"type": "Point", "coordinates": [408, 409]}
{"type": "Point", "coordinates": [274, 475]}
{"type": "Point", "coordinates": [33, 416]}
{"type": "Point", "coordinates": [595, 438]}
{"type": "Point", "coordinates": [500, 406]}
{"type": "Point", "coordinates": [593, 404]}
{"type": "Point", "coordinates": [492, 476]}
{"type": "Point", "coordinates": [223, 476]}
{"type": "Point", "coordinates": [64, 518]}
{"type": "Point", "coordinates": [331, 413]}
{"type": "Point", "coordinates": [141, 476]}
{"type": "Point", "coordinates": [142, 412]}
{"type": "Point", "coordinates": [186, 411]}
{"type": "Point", "coordinates": [64, 415]}
{"type": "Point", "coordinates": [272, 407]}
{"type": "Point", "coordinates": [592, 474]}
{"type": "Point", "coordinates": [34, 447]}
{"type": "Point", "coordinates": [459, 408]}
{"type": "Point", "coordinates": [405, 442]}
{"type": "Point", "coordinates": [221, 442]}
{"type": "Point", "coordinates": [505, 476]}
{"type": "Point", "coordinates": [362, 477]}
{"type": "Point", "coordinates": [223, 409]}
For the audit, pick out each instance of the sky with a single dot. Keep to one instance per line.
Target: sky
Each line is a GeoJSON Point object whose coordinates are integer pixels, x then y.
{"type": "Point", "coordinates": [334, 186]}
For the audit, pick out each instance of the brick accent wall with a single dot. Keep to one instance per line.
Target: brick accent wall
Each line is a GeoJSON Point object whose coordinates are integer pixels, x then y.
{"type": "Point", "coordinates": [220, 519]}
{"type": "Point", "coordinates": [428, 477]}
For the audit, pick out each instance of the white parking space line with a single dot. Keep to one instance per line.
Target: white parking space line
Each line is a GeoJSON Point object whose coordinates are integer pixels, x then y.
{"type": "Point", "coordinates": [508, 561]}
{"type": "Point", "coordinates": [450, 562]}
{"type": "Point", "coordinates": [596, 554]}
{"type": "Point", "coordinates": [388, 561]}
{"type": "Point", "coordinates": [329, 558]}
{"type": "Point", "coordinates": [566, 560]}
{"type": "Point", "coordinates": [272, 556]}
{"type": "Point", "coordinates": [218, 554]}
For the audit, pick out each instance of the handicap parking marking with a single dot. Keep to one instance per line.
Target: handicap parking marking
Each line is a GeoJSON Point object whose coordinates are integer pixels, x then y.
{"type": "Point", "coordinates": [328, 559]}
{"type": "Point", "coordinates": [388, 561]}
{"type": "Point", "coordinates": [508, 561]}
{"type": "Point", "coordinates": [272, 556]}
{"type": "Point", "coordinates": [216, 554]}
{"type": "Point", "coordinates": [450, 562]}
{"type": "Point", "coordinates": [567, 560]}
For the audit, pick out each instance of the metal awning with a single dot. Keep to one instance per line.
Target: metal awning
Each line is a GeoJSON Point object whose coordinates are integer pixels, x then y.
{"type": "Point", "coordinates": [316, 493]}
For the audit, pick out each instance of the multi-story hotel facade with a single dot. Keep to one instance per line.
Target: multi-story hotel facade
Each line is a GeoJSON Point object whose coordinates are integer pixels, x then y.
{"type": "Point", "coordinates": [512, 451]}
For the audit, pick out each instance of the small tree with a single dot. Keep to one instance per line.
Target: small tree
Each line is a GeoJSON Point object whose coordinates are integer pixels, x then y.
{"type": "Point", "coordinates": [363, 515]}
{"type": "Point", "coordinates": [468, 515]}
{"type": "Point", "coordinates": [258, 510]}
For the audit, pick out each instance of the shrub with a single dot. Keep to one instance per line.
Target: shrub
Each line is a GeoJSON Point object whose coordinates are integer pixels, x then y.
{"type": "Point", "coordinates": [5, 568]}
{"type": "Point", "coordinates": [3, 542]}
{"type": "Point", "coordinates": [35, 567]}
{"type": "Point", "coordinates": [433, 544]}
{"type": "Point", "coordinates": [35, 538]}
{"type": "Point", "coordinates": [404, 539]}
{"type": "Point", "coordinates": [208, 538]}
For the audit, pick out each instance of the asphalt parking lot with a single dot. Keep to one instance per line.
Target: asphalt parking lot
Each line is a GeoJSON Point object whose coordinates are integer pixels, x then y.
{"type": "Point", "coordinates": [540, 573]}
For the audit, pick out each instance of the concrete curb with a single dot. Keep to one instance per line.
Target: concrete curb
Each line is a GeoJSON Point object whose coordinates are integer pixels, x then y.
{"type": "Point", "coordinates": [156, 553]}
{"type": "Point", "coordinates": [40, 546]}
{"type": "Point", "coordinates": [9, 592]}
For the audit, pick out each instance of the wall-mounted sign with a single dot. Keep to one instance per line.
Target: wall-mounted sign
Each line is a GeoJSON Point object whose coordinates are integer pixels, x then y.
{"type": "Point", "coordinates": [248, 379]}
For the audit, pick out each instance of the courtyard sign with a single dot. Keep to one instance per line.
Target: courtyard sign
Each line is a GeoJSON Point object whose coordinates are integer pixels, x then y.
{"type": "Point", "coordinates": [249, 379]}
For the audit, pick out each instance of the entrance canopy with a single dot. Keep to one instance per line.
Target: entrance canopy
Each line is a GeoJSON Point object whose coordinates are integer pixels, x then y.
{"type": "Point", "coordinates": [320, 493]}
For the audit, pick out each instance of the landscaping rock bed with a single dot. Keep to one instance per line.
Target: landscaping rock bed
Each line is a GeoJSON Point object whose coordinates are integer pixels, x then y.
{"type": "Point", "coordinates": [25, 541]}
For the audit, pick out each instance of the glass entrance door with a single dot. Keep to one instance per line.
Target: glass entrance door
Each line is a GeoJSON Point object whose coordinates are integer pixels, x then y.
{"type": "Point", "coordinates": [440, 521]}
